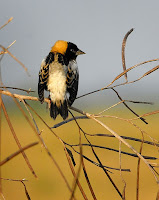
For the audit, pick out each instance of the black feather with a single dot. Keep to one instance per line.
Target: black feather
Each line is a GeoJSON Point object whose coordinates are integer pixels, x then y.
{"type": "Point", "coordinates": [41, 88]}
{"type": "Point", "coordinates": [62, 110]}
{"type": "Point", "coordinates": [72, 87]}
{"type": "Point", "coordinates": [54, 111]}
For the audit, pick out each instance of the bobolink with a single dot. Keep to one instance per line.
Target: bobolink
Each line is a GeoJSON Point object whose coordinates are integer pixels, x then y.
{"type": "Point", "coordinates": [59, 75]}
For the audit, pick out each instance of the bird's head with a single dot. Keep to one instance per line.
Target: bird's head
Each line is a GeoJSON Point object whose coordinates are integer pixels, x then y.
{"type": "Point", "coordinates": [68, 49]}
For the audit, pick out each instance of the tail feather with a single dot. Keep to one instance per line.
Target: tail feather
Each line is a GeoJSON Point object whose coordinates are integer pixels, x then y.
{"type": "Point", "coordinates": [62, 110]}
{"type": "Point", "coordinates": [54, 111]}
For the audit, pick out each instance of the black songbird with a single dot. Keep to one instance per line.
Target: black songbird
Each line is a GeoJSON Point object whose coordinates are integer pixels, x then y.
{"type": "Point", "coordinates": [59, 75]}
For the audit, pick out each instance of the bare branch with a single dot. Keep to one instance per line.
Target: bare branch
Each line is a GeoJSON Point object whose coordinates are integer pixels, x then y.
{"type": "Point", "coordinates": [17, 153]}
{"type": "Point", "coordinates": [15, 88]}
{"type": "Point", "coordinates": [74, 174]}
{"type": "Point", "coordinates": [123, 51]}
{"type": "Point", "coordinates": [17, 140]}
{"type": "Point", "coordinates": [115, 150]}
{"type": "Point", "coordinates": [6, 23]}
{"type": "Point", "coordinates": [129, 107]}
{"type": "Point", "coordinates": [45, 147]}
{"type": "Point", "coordinates": [97, 164]}
{"type": "Point", "coordinates": [18, 61]}
{"type": "Point", "coordinates": [145, 115]}
{"type": "Point", "coordinates": [138, 169]}
{"type": "Point", "coordinates": [123, 193]}
{"type": "Point", "coordinates": [119, 76]}
{"type": "Point", "coordinates": [26, 191]}
{"type": "Point", "coordinates": [20, 97]}
{"type": "Point", "coordinates": [80, 165]}
{"type": "Point", "coordinates": [68, 120]}
{"type": "Point", "coordinates": [100, 163]}
{"type": "Point", "coordinates": [22, 181]}
{"type": "Point", "coordinates": [127, 144]}
{"type": "Point", "coordinates": [82, 162]}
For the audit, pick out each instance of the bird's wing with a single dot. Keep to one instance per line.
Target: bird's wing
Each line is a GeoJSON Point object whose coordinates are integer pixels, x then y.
{"type": "Point", "coordinates": [43, 76]}
{"type": "Point", "coordinates": [72, 81]}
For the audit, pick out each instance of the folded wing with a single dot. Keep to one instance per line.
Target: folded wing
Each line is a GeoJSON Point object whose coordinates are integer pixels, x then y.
{"type": "Point", "coordinates": [72, 81]}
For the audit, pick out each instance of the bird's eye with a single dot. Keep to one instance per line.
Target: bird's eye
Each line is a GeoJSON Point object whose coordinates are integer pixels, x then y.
{"type": "Point", "coordinates": [72, 50]}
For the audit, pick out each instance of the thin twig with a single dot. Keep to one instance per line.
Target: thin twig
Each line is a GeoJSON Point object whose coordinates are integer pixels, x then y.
{"type": "Point", "coordinates": [81, 160]}
{"type": "Point", "coordinates": [123, 193]}
{"type": "Point", "coordinates": [129, 69]}
{"type": "Point", "coordinates": [21, 181]}
{"type": "Point", "coordinates": [15, 88]}
{"type": "Point", "coordinates": [1, 83]}
{"type": "Point", "coordinates": [18, 61]}
{"type": "Point", "coordinates": [36, 126]}
{"type": "Point", "coordinates": [26, 191]}
{"type": "Point", "coordinates": [138, 169]}
{"type": "Point", "coordinates": [17, 153]}
{"type": "Point", "coordinates": [145, 115]}
{"type": "Point", "coordinates": [68, 120]}
{"type": "Point", "coordinates": [74, 174]}
{"type": "Point", "coordinates": [127, 144]}
{"type": "Point", "coordinates": [123, 52]}
{"type": "Point", "coordinates": [40, 138]}
{"type": "Point", "coordinates": [111, 107]}
{"type": "Point", "coordinates": [4, 52]}
{"type": "Point", "coordinates": [6, 23]}
{"type": "Point", "coordinates": [105, 171]}
{"type": "Point", "coordinates": [45, 147]}
{"type": "Point", "coordinates": [80, 164]}
{"type": "Point", "coordinates": [115, 150]}
{"type": "Point", "coordinates": [117, 77]}
{"type": "Point", "coordinates": [85, 117]}
{"type": "Point", "coordinates": [100, 163]}
{"type": "Point", "coordinates": [129, 107]}
{"type": "Point", "coordinates": [24, 97]}
{"type": "Point", "coordinates": [124, 137]}
{"type": "Point", "coordinates": [16, 180]}
{"type": "Point", "coordinates": [97, 164]}
{"type": "Point", "coordinates": [17, 140]}
{"type": "Point", "coordinates": [127, 138]}
{"type": "Point", "coordinates": [139, 102]}
{"type": "Point", "coordinates": [20, 97]}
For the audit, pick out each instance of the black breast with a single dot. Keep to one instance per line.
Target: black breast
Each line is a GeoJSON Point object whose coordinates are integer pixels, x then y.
{"type": "Point", "coordinates": [49, 58]}
{"type": "Point", "coordinates": [62, 59]}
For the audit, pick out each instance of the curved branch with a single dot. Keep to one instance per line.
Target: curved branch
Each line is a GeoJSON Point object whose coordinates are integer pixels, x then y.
{"type": "Point", "coordinates": [123, 52]}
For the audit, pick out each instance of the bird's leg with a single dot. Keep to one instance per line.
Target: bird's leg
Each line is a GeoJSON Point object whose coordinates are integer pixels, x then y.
{"type": "Point", "coordinates": [49, 104]}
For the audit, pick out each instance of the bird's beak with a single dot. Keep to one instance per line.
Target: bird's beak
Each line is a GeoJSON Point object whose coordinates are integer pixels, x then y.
{"type": "Point", "coordinates": [79, 52]}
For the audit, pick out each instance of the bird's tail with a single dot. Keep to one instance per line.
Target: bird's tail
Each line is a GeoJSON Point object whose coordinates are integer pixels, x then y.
{"type": "Point", "coordinates": [62, 109]}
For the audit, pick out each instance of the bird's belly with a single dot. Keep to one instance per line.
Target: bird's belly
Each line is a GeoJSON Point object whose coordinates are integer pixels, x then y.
{"type": "Point", "coordinates": [57, 85]}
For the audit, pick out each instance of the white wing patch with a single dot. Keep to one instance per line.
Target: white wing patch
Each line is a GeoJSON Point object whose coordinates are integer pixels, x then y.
{"type": "Point", "coordinates": [73, 66]}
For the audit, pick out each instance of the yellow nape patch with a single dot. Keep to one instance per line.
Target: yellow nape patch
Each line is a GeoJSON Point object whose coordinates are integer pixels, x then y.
{"type": "Point", "coordinates": [60, 47]}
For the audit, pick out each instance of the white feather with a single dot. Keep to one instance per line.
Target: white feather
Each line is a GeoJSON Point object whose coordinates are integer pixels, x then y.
{"type": "Point", "coordinates": [43, 63]}
{"type": "Point", "coordinates": [57, 82]}
{"type": "Point", "coordinates": [73, 66]}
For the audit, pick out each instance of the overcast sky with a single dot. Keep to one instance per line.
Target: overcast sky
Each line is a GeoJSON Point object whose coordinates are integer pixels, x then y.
{"type": "Point", "coordinates": [97, 27]}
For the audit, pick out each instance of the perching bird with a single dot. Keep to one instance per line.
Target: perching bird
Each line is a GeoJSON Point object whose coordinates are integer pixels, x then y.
{"type": "Point", "coordinates": [59, 75]}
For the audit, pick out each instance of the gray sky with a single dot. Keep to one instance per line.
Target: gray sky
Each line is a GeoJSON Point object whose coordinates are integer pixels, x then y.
{"type": "Point", "coordinates": [97, 27]}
